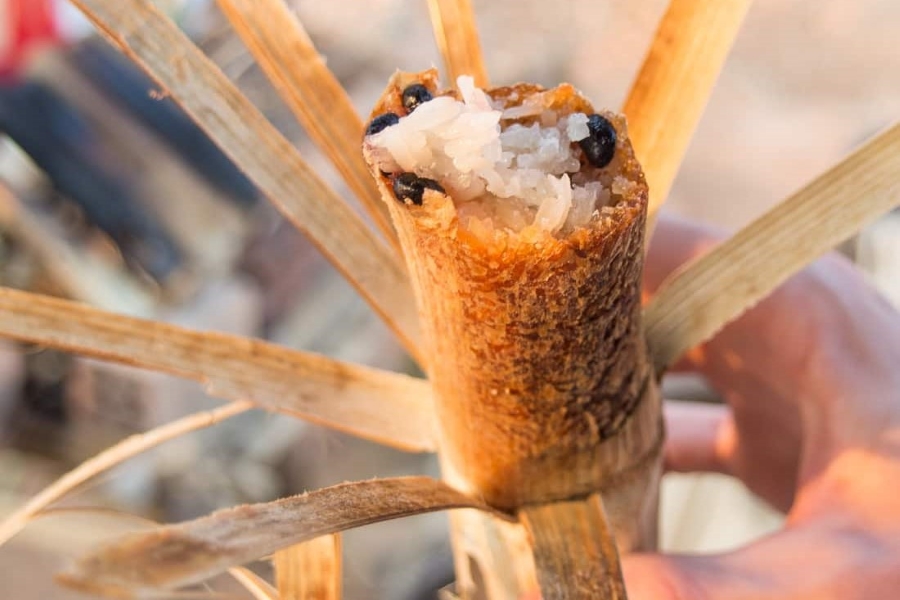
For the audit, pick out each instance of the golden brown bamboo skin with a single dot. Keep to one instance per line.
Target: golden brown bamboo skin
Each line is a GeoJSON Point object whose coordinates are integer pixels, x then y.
{"type": "Point", "coordinates": [535, 349]}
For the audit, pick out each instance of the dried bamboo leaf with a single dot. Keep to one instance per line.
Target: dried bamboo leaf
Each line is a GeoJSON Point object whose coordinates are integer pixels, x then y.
{"type": "Point", "coordinates": [286, 53]}
{"type": "Point", "coordinates": [456, 33]}
{"type": "Point", "coordinates": [706, 294]}
{"type": "Point", "coordinates": [150, 38]}
{"type": "Point", "coordinates": [190, 552]}
{"type": "Point", "coordinates": [259, 588]}
{"type": "Point", "coordinates": [674, 84]}
{"type": "Point", "coordinates": [311, 570]}
{"type": "Point", "coordinates": [574, 551]}
{"type": "Point", "coordinates": [389, 408]}
{"type": "Point", "coordinates": [111, 457]}
{"type": "Point", "coordinates": [253, 583]}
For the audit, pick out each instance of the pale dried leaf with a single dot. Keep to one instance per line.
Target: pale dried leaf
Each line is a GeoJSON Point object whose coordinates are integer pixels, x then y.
{"type": "Point", "coordinates": [286, 53]}
{"type": "Point", "coordinates": [190, 552]}
{"type": "Point", "coordinates": [389, 408]}
{"type": "Point", "coordinates": [456, 33]}
{"type": "Point", "coordinates": [111, 457]}
{"type": "Point", "coordinates": [706, 294]}
{"type": "Point", "coordinates": [152, 40]}
{"type": "Point", "coordinates": [311, 570]}
{"type": "Point", "coordinates": [675, 82]}
{"type": "Point", "coordinates": [575, 551]}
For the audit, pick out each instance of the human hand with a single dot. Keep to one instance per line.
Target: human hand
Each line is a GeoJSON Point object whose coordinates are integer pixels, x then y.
{"type": "Point", "coordinates": [811, 378]}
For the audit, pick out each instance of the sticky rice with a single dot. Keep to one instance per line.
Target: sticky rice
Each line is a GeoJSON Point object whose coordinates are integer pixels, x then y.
{"type": "Point", "coordinates": [510, 164]}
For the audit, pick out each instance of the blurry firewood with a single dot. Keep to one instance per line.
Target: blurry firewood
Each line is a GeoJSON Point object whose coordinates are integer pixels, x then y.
{"type": "Point", "coordinates": [68, 267]}
{"type": "Point", "coordinates": [132, 90]}
{"type": "Point", "coordinates": [210, 230]}
{"type": "Point", "coordinates": [61, 143]}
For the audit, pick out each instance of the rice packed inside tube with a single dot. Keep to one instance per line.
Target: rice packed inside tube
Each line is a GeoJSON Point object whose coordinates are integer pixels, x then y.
{"type": "Point", "coordinates": [521, 215]}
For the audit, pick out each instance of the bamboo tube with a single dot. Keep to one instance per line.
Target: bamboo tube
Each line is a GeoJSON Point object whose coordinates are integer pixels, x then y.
{"type": "Point", "coordinates": [544, 390]}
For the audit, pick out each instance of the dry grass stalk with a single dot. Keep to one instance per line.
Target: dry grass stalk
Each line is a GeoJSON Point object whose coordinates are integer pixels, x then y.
{"type": "Point", "coordinates": [706, 294]}
{"type": "Point", "coordinates": [179, 555]}
{"type": "Point", "coordinates": [456, 33]}
{"type": "Point", "coordinates": [674, 84]}
{"type": "Point", "coordinates": [500, 315]}
{"type": "Point", "coordinates": [283, 49]}
{"type": "Point", "coordinates": [351, 398]}
{"type": "Point", "coordinates": [575, 553]}
{"type": "Point", "coordinates": [311, 570]}
{"type": "Point", "coordinates": [111, 457]}
{"type": "Point", "coordinates": [258, 587]}
{"type": "Point", "coordinates": [142, 32]}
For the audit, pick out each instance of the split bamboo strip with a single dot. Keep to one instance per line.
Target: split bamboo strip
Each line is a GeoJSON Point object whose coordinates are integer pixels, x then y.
{"type": "Point", "coordinates": [179, 555]}
{"type": "Point", "coordinates": [150, 38]}
{"type": "Point", "coordinates": [574, 550]}
{"type": "Point", "coordinates": [311, 570]}
{"type": "Point", "coordinates": [258, 587]}
{"type": "Point", "coordinates": [111, 457]}
{"type": "Point", "coordinates": [351, 398]}
{"type": "Point", "coordinates": [674, 85]}
{"type": "Point", "coordinates": [709, 292]}
{"type": "Point", "coordinates": [456, 33]}
{"type": "Point", "coordinates": [285, 52]}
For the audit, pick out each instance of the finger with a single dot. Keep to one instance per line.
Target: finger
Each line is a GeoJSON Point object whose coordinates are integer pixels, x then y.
{"type": "Point", "coordinates": [661, 577]}
{"type": "Point", "coordinates": [676, 240]}
{"type": "Point", "coordinates": [700, 437]}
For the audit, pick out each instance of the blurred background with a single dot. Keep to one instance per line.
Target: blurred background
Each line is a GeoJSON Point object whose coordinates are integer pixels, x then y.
{"type": "Point", "coordinates": [109, 195]}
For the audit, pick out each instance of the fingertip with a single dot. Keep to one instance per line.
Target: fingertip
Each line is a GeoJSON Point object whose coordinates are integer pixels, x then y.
{"type": "Point", "coordinates": [700, 437]}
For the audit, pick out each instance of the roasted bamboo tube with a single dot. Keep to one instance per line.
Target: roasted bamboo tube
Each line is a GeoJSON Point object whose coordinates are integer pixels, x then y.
{"type": "Point", "coordinates": [544, 390]}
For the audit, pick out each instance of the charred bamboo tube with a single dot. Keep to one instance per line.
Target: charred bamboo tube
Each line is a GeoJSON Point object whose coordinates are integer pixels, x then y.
{"type": "Point", "coordinates": [544, 390]}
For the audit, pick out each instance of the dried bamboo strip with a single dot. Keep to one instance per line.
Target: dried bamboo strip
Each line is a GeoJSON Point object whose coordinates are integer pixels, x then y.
{"type": "Point", "coordinates": [706, 294]}
{"type": "Point", "coordinates": [258, 587]}
{"type": "Point", "coordinates": [456, 33]}
{"type": "Point", "coordinates": [364, 402]}
{"type": "Point", "coordinates": [113, 456]}
{"type": "Point", "coordinates": [285, 52]}
{"type": "Point", "coordinates": [574, 550]}
{"type": "Point", "coordinates": [311, 570]}
{"type": "Point", "coordinates": [190, 552]}
{"type": "Point", "coordinates": [674, 85]}
{"type": "Point", "coordinates": [150, 38]}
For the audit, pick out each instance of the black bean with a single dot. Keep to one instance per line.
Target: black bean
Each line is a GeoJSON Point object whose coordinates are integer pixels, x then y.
{"type": "Point", "coordinates": [414, 95]}
{"type": "Point", "coordinates": [382, 122]}
{"type": "Point", "coordinates": [600, 145]}
{"type": "Point", "coordinates": [409, 186]}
